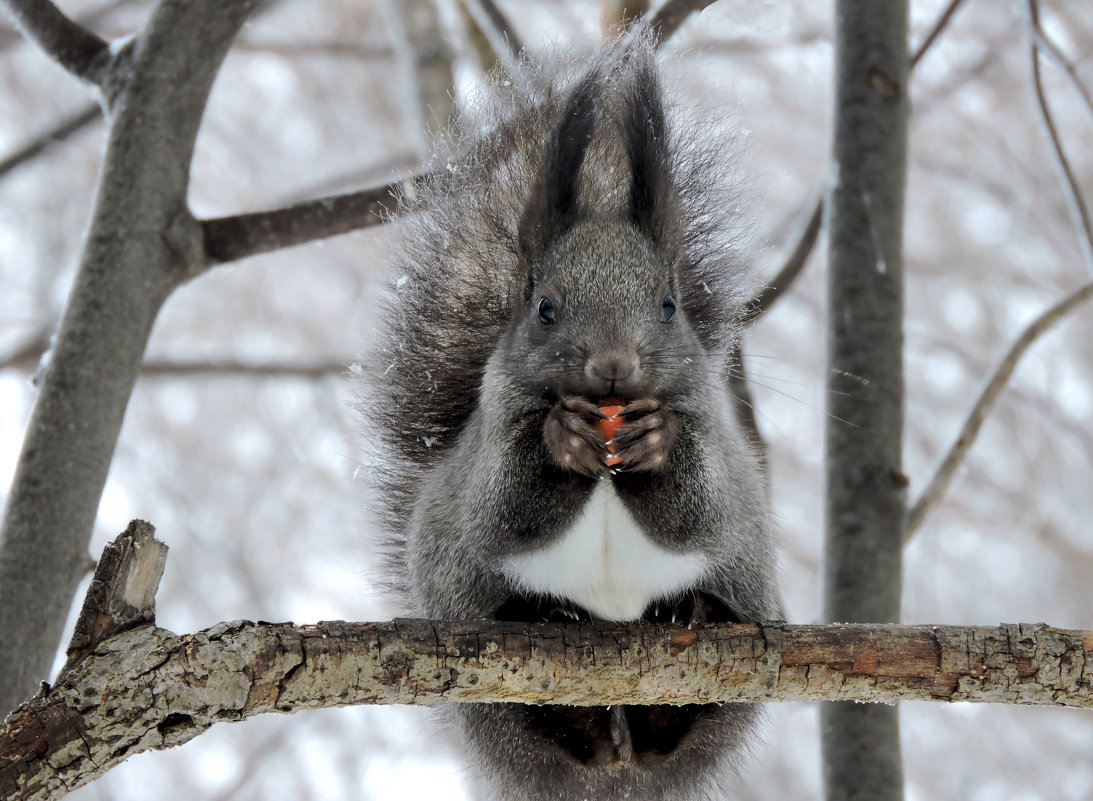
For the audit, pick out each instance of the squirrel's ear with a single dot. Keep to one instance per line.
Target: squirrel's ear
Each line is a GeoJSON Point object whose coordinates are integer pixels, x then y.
{"type": "Point", "coordinates": [652, 194]}
{"type": "Point", "coordinates": [553, 206]}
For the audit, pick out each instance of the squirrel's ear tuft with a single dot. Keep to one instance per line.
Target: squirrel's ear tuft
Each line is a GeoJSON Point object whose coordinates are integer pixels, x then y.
{"type": "Point", "coordinates": [553, 206]}
{"type": "Point", "coordinates": [652, 194]}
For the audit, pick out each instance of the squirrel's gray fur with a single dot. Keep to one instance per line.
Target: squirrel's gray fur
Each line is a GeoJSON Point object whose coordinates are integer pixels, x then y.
{"type": "Point", "coordinates": [479, 399]}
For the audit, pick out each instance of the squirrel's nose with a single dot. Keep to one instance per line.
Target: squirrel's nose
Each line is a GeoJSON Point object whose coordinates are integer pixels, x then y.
{"type": "Point", "coordinates": [612, 366]}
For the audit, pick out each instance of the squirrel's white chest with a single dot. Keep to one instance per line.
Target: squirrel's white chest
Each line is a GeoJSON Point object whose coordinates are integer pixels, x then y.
{"type": "Point", "coordinates": [606, 563]}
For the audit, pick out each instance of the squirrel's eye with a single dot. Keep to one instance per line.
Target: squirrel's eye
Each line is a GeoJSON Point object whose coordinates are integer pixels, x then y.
{"type": "Point", "coordinates": [546, 311]}
{"type": "Point", "coordinates": [667, 310]}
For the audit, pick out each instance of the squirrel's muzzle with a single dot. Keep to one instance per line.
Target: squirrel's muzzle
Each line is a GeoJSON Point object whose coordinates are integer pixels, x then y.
{"type": "Point", "coordinates": [614, 368]}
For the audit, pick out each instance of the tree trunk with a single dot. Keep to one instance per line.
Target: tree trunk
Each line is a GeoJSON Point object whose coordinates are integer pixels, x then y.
{"type": "Point", "coordinates": [865, 486]}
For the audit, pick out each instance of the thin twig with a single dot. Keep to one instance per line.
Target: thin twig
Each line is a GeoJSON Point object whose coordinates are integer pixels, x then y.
{"type": "Point", "coordinates": [942, 477]}
{"type": "Point", "coordinates": [64, 129]}
{"type": "Point", "coordinates": [71, 45]}
{"type": "Point", "coordinates": [232, 238]}
{"type": "Point", "coordinates": [939, 26]}
{"type": "Point", "coordinates": [1079, 211]}
{"type": "Point", "coordinates": [1065, 64]}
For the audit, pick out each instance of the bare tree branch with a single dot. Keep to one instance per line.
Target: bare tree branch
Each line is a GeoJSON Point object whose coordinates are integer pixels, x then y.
{"type": "Point", "coordinates": [1048, 45]}
{"type": "Point", "coordinates": [935, 31]}
{"type": "Point", "coordinates": [71, 45]}
{"type": "Point", "coordinates": [232, 238]}
{"type": "Point", "coordinates": [86, 20]}
{"type": "Point", "coordinates": [64, 129]}
{"type": "Point", "coordinates": [141, 244]}
{"type": "Point", "coordinates": [996, 382]}
{"type": "Point", "coordinates": [130, 687]}
{"type": "Point", "coordinates": [1079, 211]}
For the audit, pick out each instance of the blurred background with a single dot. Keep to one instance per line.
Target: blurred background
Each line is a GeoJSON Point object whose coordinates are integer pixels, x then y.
{"type": "Point", "coordinates": [240, 443]}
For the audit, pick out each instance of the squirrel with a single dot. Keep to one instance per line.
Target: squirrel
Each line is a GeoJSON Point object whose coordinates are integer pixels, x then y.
{"type": "Point", "coordinates": [575, 251]}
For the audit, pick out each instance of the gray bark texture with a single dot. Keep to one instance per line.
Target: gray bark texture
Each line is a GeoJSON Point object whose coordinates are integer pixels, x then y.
{"type": "Point", "coordinates": [142, 242]}
{"type": "Point", "coordinates": [131, 687]}
{"type": "Point", "coordinates": [865, 486]}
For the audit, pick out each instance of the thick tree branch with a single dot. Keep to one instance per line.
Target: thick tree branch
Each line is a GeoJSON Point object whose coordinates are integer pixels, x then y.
{"type": "Point", "coordinates": [996, 382]}
{"type": "Point", "coordinates": [71, 45]}
{"type": "Point", "coordinates": [130, 686]}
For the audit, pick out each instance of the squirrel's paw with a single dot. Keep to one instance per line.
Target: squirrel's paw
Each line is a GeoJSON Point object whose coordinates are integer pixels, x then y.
{"type": "Point", "coordinates": [646, 437]}
{"type": "Point", "coordinates": [572, 439]}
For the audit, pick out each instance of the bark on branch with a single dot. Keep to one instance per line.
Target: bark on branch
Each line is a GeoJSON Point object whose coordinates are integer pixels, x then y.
{"type": "Point", "coordinates": [131, 687]}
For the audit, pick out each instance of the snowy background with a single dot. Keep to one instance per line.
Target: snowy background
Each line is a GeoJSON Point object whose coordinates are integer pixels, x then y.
{"type": "Point", "coordinates": [239, 442]}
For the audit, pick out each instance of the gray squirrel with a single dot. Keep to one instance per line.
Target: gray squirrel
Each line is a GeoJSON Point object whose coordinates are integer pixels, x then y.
{"type": "Point", "coordinates": [576, 250]}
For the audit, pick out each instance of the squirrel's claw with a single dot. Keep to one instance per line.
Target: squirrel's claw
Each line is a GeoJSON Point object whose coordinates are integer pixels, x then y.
{"type": "Point", "coordinates": [572, 439]}
{"type": "Point", "coordinates": [645, 441]}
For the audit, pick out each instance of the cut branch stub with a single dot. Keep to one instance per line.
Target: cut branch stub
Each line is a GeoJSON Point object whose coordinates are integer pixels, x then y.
{"type": "Point", "coordinates": [122, 594]}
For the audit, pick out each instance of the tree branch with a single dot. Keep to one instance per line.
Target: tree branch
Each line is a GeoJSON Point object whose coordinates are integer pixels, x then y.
{"type": "Point", "coordinates": [1048, 45]}
{"type": "Point", "coordinates": [939, 25]}
{"type": "Point", "coordinates": [131, 687]}
{"type": "Point", "coordinates": [237, 237]}
{"type": "Point", "coordinates": [71, 45]}
{"type": "Point", "coordinates": [62, 130]}
{"type": "Point", "coordinates": [943, 475]}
